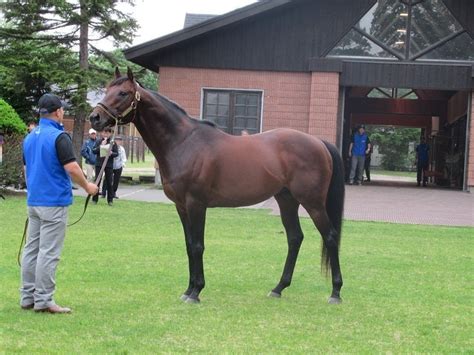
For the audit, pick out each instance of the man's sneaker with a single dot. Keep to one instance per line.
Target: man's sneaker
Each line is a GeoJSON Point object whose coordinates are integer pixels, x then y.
{"type": "Point", "coordinates": [54, 309]}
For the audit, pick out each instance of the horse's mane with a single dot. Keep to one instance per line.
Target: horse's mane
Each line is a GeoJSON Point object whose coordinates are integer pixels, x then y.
{"type": "Point", "coordinates": [166, 101]}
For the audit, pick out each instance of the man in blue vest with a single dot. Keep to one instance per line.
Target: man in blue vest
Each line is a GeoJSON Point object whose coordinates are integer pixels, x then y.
{"type": "Point", "coordinates": [49, 166]}
{"type": "Point", "coordinates": [359, 147]}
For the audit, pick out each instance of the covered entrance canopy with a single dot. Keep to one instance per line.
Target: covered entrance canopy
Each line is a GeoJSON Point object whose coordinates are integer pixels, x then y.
{"type": "Point", "coordinates": [441, 117]}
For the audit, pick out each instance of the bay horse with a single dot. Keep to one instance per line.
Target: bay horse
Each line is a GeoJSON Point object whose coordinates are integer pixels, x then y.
{"type": "Point", "coordinates": [201, 167]}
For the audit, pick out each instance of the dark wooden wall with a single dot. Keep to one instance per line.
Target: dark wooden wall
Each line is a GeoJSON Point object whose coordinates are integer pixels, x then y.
{"type": "Point", "coordinates": [407, 75]}
{"type": "Point", "coordinates": [284, 38]}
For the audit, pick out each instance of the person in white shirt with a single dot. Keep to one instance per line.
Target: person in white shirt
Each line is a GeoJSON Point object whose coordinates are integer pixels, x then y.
{"type": "Point", "coordinates": [119, 164]}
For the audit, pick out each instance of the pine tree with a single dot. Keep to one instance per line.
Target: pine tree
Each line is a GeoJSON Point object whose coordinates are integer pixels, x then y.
{"type": "Point", "coordinates": [74, 25]}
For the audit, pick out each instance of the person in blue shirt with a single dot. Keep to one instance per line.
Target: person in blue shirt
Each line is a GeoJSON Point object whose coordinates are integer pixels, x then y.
{"type": "Point", "coordinates": [422, 162]}
{"type": "Point", "coordinates": [359, 147]}
{"type": "Point", "coordinates": [50, 165]}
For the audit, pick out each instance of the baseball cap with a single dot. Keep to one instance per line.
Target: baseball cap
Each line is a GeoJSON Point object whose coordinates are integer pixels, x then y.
{"type": "Point", "coordinates": [92, 130]}
{"type": "Point", "coordinates": [49, 103]}
{"type": "Point", "coordinates": [361, 126]}
{"type": "Point", "coordinates": [118, 138]}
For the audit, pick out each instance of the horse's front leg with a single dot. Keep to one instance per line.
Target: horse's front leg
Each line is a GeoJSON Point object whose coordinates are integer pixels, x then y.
{"type": "Point", "coordinates": [187, 238]}
{"type": "Point", "coordinates": [196, 219]}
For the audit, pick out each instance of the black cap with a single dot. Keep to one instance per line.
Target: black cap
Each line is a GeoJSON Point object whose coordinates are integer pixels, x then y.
{"type": "Point", "coordinates": [49, 103]}
{"type": "Point", "coordinates": [361, 126]}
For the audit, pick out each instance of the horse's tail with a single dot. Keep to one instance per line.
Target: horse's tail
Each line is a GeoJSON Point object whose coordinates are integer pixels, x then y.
{"type": "Point", "coordinates": [334, 201]}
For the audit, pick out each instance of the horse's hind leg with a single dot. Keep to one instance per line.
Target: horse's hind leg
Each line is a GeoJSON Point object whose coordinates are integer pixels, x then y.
{"type": "Point", "coordinates": [329, 234]}
{"type": "Point", "coordinates": [289, 216]}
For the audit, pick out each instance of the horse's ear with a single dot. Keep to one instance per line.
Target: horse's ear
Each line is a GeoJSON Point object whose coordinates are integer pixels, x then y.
{"type": "Point", "coordinates": [117, 73]}
{"type": "Point", "coordinates": [130, 74]}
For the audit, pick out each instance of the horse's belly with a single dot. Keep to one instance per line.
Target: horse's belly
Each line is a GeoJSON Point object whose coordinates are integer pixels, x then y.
{"type": "Point", "coordinates": [244, 187]}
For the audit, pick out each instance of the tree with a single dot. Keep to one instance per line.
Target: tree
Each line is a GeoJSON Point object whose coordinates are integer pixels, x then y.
{"type": "Point", "coordinates": [29, 69]}
{"type": "Point", "coordinates": [393, 143]}
{"type": "Point", "coordinates": [102, 66]}
{"type": "Point", "coordinates": [69, 25]}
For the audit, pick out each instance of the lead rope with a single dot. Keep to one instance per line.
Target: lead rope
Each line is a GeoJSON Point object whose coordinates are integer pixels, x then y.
{"type": "Point", "coordinates": [97, 179]}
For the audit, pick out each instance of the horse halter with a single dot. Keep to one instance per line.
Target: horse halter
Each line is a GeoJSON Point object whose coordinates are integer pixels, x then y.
{"type": "Point", "coordinates": [133, 107]}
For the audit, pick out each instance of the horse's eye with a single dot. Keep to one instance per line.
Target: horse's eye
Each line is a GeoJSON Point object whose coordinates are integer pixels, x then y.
{"type": "Point", "coordinates": [123, 93]}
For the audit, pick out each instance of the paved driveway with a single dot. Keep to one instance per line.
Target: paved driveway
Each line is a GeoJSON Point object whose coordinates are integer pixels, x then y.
{"type": "Point", "coordinates": [387, 201]}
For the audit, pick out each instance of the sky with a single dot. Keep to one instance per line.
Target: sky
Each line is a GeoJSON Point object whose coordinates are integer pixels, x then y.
{"type": "Point", "coordinates": [159, 17]}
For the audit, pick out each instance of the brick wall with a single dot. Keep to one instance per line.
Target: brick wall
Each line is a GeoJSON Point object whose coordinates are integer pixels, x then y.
{"type": "Point", "coordinates": [470, 167]}
{"type": "Point", "coordinates": [323, 107]}
{"type": "Point", "coordinates": [287, 97]}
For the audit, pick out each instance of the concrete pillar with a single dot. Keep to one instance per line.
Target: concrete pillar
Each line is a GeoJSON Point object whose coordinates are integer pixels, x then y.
{"type": "Point", "coordinates": [324, 106]}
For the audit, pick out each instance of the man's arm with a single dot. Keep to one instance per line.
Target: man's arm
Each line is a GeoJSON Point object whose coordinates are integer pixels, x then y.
{"type": "Point", "coordinates": [68, 161]}
{"type": "Point", "coordinates": [350, 149]}
{"type": "Point", "coordinates": [76, 174]}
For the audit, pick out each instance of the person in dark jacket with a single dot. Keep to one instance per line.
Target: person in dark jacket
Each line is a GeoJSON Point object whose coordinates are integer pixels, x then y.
{"type": "Point", "coordinates": [422, 162]}
{"type": "Point", "coordinates": [100, 150]}
{"type": "Point", "coordinates": [88, 155]}
{"type": "Point", "coordinates": [368, 158]}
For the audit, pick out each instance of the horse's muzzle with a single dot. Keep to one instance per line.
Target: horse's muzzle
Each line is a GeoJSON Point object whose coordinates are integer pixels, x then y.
{"type": "Point", "coordinates": [95, 121]}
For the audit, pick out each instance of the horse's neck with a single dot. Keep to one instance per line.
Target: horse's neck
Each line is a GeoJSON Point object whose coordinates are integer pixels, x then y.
{"type": "Point", "coordinates": [161, 127]}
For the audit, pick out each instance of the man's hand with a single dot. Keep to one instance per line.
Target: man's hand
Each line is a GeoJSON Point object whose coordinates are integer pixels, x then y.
{"type": "Point", "coordinates": [350, 154]}
{"type": "Point", "coordinates": [92, 189]}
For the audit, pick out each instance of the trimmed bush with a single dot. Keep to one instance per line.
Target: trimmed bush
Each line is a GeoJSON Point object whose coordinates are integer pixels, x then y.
{"type": "Point", "coordinates": [10, 122]}
{"type": "Point", "coordinates": [13, 129]}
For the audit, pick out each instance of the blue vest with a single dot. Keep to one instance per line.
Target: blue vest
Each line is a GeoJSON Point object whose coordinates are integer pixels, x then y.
{"type": "Point", "coordinates": [47, 181]}
{"type": "Point", "coordinates": [360, 144]}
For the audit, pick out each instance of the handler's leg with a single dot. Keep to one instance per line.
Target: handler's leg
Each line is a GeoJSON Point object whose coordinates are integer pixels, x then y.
{"type": "Point", "coordinates": [353, 169]}
{"type": "Point", "coordinates": [360, 169]}
{"type": "Point", "coordinates": [28, 263]}
{"type": "Point", "coordinates": [53, 228]}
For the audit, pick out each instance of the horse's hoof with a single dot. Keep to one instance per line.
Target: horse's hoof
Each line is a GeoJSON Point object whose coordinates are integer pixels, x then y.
{"type": "Point", "coordinates": [274, 294]}
{"type": "Point", "coordinates": [184, 297]}
{"type": "Point", "coordinates": [334, 300]}
{"type": "Point", "coordinates": [192, 300]}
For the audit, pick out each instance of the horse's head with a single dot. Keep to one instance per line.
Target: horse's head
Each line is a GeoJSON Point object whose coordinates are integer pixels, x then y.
{"type": "Point", "coordinates": [119, 104]}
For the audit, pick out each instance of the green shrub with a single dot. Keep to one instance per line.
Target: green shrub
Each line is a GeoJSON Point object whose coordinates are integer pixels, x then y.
{"type": "Point", "coordinates": [13, 129]}
{"type": "Point", "coordinates": [11, 168]}
{"type": "Point", "coordinates": [10, 122]}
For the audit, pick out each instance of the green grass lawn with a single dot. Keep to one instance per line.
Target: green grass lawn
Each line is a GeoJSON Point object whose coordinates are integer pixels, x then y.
{"type": "Point", "coordinates": [148, 163]}
{"type": "Point", "coordinates": [411, 174]}
{"type": "Point", "coordinates": [407, 288]}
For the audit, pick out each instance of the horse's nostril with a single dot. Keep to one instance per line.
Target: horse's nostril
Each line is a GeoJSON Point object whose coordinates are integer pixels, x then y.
{"type": "Point", "coordinates": [93, 117]}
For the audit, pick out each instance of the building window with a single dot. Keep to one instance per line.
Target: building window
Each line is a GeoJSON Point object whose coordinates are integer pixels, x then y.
{"type": "Point", "coordinates": [407, 30]}
{"type": "Point", "coordinates": [392, 93]}
{"type": "Point", "coordinates": [233, 111]}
